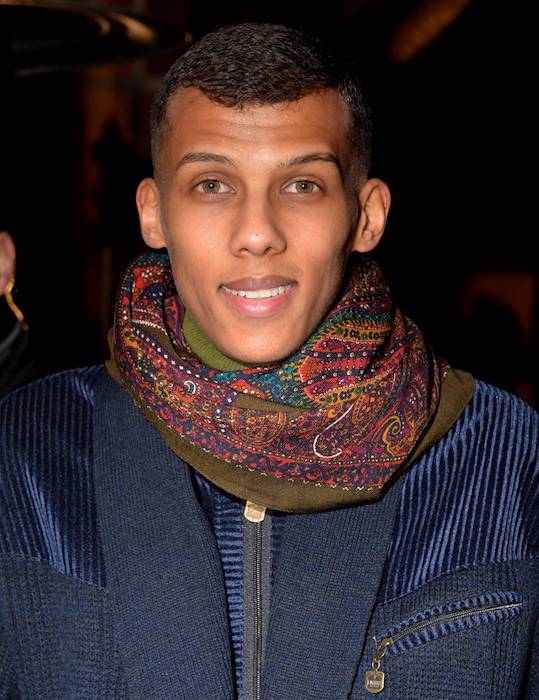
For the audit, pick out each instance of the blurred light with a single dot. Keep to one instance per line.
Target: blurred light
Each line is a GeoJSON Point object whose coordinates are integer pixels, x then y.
{"type": "Point", "coordinates": [425, 24]}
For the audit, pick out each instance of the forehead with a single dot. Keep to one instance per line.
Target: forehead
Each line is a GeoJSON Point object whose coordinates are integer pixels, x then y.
{"type": "Point", "coordinates": [317, 121]}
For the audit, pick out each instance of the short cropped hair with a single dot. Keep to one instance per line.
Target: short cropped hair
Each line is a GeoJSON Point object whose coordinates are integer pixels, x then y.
{"type": "Point", "coordinates": [260, 63]}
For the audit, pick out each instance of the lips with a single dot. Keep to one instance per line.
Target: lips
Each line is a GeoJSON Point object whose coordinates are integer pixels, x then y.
{"type": "Point", "coordinates": [259, 306]}
{"type": "Point", "coordinates": [251, 284]}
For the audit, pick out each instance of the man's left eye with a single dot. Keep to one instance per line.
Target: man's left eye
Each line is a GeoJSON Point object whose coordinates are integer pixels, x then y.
{"type": "Point", "coordinates": [306, 186]}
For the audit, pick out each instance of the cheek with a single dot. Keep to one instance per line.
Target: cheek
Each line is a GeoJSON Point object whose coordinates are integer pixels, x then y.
{"type": "Point", "coordinates": [325, 238]}
{"type": "Point", "coordinates": [325, 277]}
{"type": "Point", "coordinates": [194, 274]}
{"type": "Point", "coordinates": [192, 237]}
{"type": "Point", "coordinates": [189, 245]}
{"type": "Point", "coordinates": [323, 260]}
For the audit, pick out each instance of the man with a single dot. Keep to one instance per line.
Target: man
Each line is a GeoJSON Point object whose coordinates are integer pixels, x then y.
{"type": "Point", "coordinates": [274, 488]}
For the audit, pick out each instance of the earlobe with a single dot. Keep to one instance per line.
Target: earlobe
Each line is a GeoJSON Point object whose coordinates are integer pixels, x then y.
{"type": "Point", "coordinates": [375, 200]}
{"type": "Point", "coordinates": [148, 201]}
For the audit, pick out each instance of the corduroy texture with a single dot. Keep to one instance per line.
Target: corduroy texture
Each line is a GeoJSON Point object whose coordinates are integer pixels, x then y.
{"type": "Point", "coordinates": [129, 504]}
{"type": "Point", "coordinates": [57, 492]}
{"type": "Point", "coordinates": [344, 413]}
{"type": "Point", "coordinates": [495, 498]}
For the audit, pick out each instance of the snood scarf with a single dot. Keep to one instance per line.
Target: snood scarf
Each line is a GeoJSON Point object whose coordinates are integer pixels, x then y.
{"type": "Point", "coordinates": [329, 425]}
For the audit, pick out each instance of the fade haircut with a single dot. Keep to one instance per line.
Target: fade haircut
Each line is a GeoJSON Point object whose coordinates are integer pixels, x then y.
{"type": "Point", "coordinates": [260, 63]}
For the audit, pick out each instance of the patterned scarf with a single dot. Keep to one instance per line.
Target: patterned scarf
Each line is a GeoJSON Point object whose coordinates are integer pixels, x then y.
{"type": "Point", "coordinates": [341, 414]}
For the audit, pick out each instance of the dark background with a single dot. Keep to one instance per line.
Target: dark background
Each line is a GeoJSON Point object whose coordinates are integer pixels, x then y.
{"type": "Point", "coordinates": [452, 141]}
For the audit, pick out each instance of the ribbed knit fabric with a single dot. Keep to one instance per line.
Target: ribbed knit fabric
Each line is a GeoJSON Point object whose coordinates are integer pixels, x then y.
{"type": "Point", "coordinates": [225, 513]}
{"type": "Point", "coordinates": [83, 660]}
{"type": "Point", "coordinates": [467, 524]}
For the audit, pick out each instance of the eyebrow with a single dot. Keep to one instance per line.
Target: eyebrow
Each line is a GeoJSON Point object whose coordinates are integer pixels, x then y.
{"type": "Point", "coordinates": [204, 156]}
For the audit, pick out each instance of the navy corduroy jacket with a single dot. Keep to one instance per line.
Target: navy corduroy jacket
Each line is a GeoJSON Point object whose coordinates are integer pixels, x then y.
{"type": "Point", "coordinates": [121, 568]}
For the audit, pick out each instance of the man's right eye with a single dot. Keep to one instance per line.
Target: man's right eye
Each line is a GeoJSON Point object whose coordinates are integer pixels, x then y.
{"type": "Point", "coordinates": [210, 186]}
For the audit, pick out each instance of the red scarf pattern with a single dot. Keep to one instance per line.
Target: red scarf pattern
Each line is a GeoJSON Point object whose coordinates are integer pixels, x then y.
{"type": "Point", "coordinates": [345, 409]}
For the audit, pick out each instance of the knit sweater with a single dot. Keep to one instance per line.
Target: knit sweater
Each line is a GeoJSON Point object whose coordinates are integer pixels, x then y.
{"type": "Point", "coordinates": [225, 513]}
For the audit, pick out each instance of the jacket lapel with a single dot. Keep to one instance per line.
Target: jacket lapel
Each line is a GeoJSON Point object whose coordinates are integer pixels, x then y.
{"type": "Point", "coordinates": [162, 566]}
{"type": "Point", "coordinates": [327, 577]}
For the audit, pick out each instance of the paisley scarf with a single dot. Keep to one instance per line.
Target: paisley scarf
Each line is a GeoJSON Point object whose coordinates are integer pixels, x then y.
{"type": "Point", "coordinates": [330, 424]}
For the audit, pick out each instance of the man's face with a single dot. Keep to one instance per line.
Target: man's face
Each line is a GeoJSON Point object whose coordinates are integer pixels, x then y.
{"type": "Point", "coordinates": [248, 212]}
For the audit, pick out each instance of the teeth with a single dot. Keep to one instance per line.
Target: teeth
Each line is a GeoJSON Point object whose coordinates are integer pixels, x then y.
{"type": "Point", "coordinates": [259, 293]}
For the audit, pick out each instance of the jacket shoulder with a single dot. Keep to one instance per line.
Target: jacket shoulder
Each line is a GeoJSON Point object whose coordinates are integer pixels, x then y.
{"type": "Point", "coordinates": [46, 473]}
{"type": "Point", "coordinates": [502, 404]}
{"type": "Point", "coordinates": [472, 499]}
{"type": "Point", "coordinates": [503, 429]}
{"type": "Point", "coordinates": [496, 425]}
{"type": "Point", "coordinates": [77, 383]}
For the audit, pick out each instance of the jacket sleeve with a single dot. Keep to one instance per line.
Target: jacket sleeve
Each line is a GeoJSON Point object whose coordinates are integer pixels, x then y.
{"type": "Point", "coordinates": [531, 684]}
{"type": "Point", "coordinates": [8, 681]}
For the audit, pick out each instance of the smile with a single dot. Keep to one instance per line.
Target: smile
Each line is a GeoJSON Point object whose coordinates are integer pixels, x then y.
{"type": "Point", "coordinates": [259, 293]}
{"type": "Point", "coordinates": [260, 302]}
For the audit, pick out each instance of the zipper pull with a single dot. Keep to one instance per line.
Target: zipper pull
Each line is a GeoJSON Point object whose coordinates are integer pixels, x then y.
{"type": "Point", "coordinates": [374, 678]}
{"type": "Point", "coordinates": [254, 512]}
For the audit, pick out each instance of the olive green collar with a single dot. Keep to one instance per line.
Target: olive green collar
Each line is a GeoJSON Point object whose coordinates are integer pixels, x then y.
{"type": "Point", "coordinates": [205, 350]}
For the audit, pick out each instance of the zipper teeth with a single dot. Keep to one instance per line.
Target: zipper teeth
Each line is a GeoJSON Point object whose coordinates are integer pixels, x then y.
{"type": "Point", "coordinates": [446, 616]}
{"type": "Point", "coordinates": [258, 611]}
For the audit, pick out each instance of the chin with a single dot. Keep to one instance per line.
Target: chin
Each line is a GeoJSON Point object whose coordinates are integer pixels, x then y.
{"type": "Point", "coordinates": [263, 358]}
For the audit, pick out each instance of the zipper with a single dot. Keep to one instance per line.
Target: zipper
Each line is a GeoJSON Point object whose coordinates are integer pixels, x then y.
{"type": "Point", "coordinates": [257, 552]}
{"type": "Point", "coordinates": [253, 512]}
{"type": "Point", "coordinates": [375, 678]}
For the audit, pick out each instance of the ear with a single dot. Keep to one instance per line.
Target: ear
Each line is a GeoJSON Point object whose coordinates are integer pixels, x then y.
{"type": "Point", "coordinates": [7, 260]}
{"type": "Point", "coordinates": [148, 203]}
{"type": "Point", "coordinates": [375, 201]}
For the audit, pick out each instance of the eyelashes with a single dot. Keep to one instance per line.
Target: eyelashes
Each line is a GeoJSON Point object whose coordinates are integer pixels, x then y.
{"type": "Point", "coordinates": [216, 190]}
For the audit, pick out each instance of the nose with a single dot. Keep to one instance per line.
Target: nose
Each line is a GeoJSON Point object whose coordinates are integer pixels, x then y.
{"type": "Point", "coordinates": [256, 230]}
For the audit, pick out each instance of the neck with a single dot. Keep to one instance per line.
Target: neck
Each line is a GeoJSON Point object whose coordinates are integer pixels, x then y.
{"type": "Point", "coordinates": [206, 351]}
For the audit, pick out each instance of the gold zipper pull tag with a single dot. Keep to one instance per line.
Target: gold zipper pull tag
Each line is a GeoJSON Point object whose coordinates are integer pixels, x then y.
{"type": "Point", "coordinates": [254, 513]}
{"type": "Point", "coordinates": [374, 681]}
{"type": "Point", "coordinates": [374, 678]}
